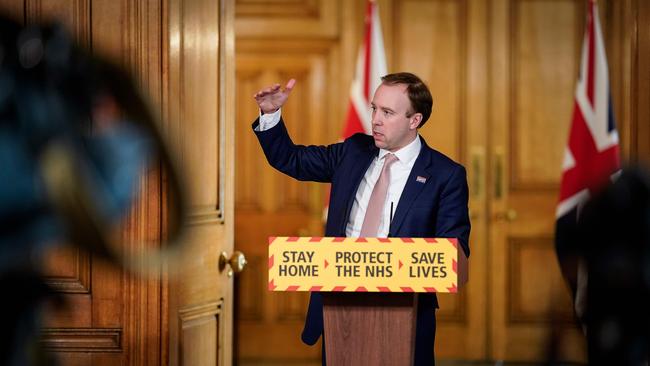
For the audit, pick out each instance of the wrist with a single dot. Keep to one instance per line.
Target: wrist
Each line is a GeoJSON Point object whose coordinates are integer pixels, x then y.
{"type": "Point", "coordinates": [269, 111]}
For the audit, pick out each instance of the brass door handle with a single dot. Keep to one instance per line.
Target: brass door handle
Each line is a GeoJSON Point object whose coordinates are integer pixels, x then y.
{"type": "Point", "coordinates": [509, 215]}
{"type": "Point", "coordinates": [237, 262]}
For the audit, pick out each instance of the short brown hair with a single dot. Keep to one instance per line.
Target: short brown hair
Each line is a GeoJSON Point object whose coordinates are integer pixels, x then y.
{"type": "Point", "coordinates": [418, 92]}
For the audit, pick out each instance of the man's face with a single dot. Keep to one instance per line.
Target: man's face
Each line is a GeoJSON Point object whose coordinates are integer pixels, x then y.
{"type": "Point", "coordinates": [391, 128]}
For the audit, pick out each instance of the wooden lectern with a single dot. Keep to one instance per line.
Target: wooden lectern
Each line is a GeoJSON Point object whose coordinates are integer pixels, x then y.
{"type": "Point", "coordinates": [363, 328]}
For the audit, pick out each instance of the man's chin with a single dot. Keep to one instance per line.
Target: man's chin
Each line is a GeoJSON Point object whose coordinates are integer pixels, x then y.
{"type": "Point", "coordinates": [379, 143]}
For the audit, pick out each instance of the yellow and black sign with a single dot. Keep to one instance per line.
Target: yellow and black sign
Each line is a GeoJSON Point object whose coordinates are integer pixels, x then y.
{"type": "Point", "coordinates": [366, 264]}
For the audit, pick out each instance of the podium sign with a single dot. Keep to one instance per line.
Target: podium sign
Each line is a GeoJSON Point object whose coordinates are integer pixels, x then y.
{"type": "Point", "coordinates": [366, 264]}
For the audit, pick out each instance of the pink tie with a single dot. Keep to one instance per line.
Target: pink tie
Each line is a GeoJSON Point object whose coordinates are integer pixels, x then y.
{"type": "Point", "coordinates": [377, 199]}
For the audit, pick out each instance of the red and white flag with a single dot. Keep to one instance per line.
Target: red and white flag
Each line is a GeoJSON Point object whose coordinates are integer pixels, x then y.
{"type": "Point", "coordinates": [591, 157]}
{"type": "Point", "coordinates": [370, 67]}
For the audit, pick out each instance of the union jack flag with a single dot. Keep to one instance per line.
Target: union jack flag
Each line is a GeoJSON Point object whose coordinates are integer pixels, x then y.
{"type": "Point", "coordinates": [591, 157]}
{"type": "Point", "coordinates": [370, 67]}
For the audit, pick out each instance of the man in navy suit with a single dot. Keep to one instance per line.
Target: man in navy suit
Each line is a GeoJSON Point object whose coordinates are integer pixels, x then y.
{"type": "Point", "coordinates": [427, 194]}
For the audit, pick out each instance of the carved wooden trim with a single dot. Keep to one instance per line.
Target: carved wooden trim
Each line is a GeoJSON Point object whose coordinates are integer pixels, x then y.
{"type": "Point", "coordinates": [80, 282]}
{"type": "Point", "coordinates": [515, 314]}
{"type": "Point", "coordinates": [82, 339]}
{"type": "Point", "coordinates": [310, 18]}
{"type": "Point", "coordinates": [516, 184]}
{"type": "Point", "coordinates": [278, 9]}
{"type": "Point", "coordinates": [203, 215]}
{"type": "Point", "coordinates": [225, 114]}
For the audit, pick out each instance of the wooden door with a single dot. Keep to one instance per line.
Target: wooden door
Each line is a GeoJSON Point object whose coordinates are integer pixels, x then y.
{"type": "Point", "coordinates": [181, 54]}
{"type": "Point", "coordinates": [201, 126]}
{"type": "Point", "coordinates": [109, 317]}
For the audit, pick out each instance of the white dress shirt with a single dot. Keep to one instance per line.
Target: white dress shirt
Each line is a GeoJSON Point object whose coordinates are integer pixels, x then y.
{"type": "Point", "coordinates": [399, 173]}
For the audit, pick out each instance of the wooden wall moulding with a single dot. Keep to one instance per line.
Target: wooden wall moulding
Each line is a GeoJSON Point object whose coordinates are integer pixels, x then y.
{"type": "Point", "coordinates": [278, 8]}
{"type": "Point", "coordinates": [286, 18]}
{"type": "Point", "coordinates": [80, 280]}
{"type": "Point", "coordinates": [82, 339]}
{"type": "Point", "coordinates": [535, 290]}
{"type": "Point", "coordinates": [543, 35]}
{"type": "Point", "coordinates": [202, 215]}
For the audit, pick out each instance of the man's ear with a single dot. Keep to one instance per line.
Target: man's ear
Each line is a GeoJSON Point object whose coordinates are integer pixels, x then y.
{"type": "Point", "coordinates": [415, 120]}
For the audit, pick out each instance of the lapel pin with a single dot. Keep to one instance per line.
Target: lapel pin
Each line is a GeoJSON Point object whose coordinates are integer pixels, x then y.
{"type": "Point", "coordinates": [421, 179]}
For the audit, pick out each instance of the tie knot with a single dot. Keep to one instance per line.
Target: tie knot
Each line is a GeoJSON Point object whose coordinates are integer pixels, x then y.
{"type": "Point", "coordinates": [389, 159]}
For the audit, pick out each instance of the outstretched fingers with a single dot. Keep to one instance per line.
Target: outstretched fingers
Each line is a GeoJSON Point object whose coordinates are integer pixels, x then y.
{"type": "Point", "coordinates": [266, 91]}
{"type": "Point", "coordinates": [290, 84]}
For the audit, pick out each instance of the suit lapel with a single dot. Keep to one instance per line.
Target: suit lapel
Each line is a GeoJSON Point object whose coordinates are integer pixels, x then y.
{"type": "Point", "coordinates": [414, 185]}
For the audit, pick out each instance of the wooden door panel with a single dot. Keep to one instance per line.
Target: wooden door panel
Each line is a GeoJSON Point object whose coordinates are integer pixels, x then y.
{"type": "Point", "coordinates": [543, 37]}
{"type": "Point", "coordinates": [440, 62]}
{"type": "Point", "coordinates": [201, 333]}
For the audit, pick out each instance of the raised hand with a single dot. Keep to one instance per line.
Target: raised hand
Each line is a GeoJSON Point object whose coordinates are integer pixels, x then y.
{"type": "Point", "coordinates": [272, 98]}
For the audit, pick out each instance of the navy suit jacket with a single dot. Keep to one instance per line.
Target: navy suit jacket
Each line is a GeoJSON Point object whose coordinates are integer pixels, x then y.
{"type": "Point", "coordinates": [435, 208]}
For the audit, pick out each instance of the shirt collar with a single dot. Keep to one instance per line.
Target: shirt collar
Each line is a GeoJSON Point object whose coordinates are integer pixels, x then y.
{"type": "Point", "coordinates": [407, 154]}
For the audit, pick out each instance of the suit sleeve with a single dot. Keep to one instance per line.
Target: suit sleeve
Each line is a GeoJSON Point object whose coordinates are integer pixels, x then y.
{"type": "Point", "coordinates": [306, 163]}
{"type": "Point", "coordinates": [453, 216]}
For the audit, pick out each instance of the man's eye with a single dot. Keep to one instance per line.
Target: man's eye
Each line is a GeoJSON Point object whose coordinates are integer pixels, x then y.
{"type": "Point", "coordinates": [387, 113]}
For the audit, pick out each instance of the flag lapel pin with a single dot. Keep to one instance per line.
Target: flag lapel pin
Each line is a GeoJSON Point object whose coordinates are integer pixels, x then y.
{"type": "Point", "coordinates": [421, 179]}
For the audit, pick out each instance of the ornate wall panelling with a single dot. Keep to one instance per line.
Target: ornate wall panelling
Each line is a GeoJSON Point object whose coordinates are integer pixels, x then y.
{"type": "Point", "coordinates": [287, 18]}
{"type": "Point", "coordinates": [108, 312]}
